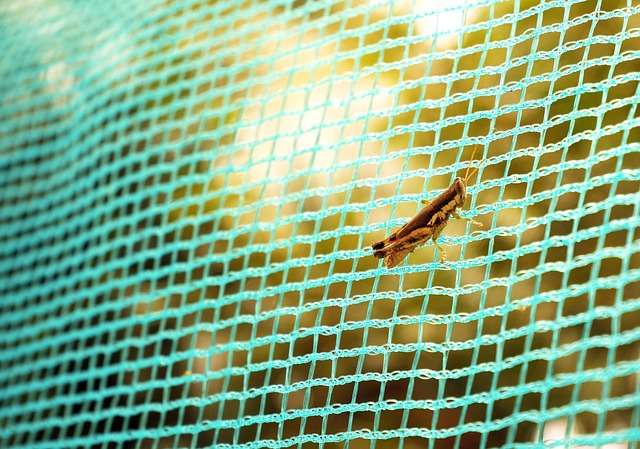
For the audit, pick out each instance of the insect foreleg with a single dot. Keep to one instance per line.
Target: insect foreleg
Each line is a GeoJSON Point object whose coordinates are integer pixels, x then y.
{"type": "Point", "coordinates": [459, 217]}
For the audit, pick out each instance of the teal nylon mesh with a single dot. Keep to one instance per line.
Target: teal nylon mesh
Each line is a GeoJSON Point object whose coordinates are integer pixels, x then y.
{"type": "Point", "coordinates": [190, 191]}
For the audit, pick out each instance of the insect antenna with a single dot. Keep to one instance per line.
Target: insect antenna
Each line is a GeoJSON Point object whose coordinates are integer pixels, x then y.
{"type": "Point", "coordinates": [468, 177]}
{"type": "Point", "coordinates": [470, 161]}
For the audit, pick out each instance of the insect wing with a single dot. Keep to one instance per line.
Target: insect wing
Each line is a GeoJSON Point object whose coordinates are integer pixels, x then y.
{"type": "Point", "coordinates": [394, 258]}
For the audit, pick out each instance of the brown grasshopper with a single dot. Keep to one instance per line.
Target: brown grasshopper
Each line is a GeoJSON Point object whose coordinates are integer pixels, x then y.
{"type": "Point", "coordinates": [428, 224]}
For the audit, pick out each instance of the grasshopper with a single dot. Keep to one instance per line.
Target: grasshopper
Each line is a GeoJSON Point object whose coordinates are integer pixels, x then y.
{"type": "Point", "coordinates": [428, 224]}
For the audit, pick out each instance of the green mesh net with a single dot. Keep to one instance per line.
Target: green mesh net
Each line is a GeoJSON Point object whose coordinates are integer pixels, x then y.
{"type": "Point", "coordinates": [189, 192]}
